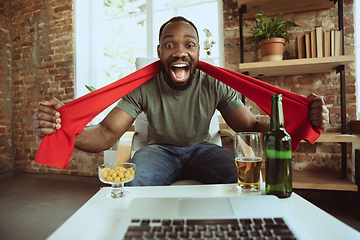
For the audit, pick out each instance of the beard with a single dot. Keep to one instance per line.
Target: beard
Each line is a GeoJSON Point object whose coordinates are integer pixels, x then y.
{"type": "Point", "coordinates": [171, 72]}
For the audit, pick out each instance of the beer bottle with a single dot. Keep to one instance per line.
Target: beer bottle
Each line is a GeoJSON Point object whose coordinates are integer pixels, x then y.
{"type": "Point", "coordinates": [278, 172]}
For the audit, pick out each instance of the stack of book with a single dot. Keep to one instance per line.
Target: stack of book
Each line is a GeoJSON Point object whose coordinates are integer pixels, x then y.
{"type": "Point", "coordinates": [319, 43]}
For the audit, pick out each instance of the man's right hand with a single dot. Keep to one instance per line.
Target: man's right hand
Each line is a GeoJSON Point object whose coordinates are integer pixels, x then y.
{"type": "Point", "coordinates": [46, 119]}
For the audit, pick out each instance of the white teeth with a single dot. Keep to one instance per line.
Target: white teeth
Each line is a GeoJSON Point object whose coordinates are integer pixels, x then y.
{"type": "Point", "coordinates": [180, 65]}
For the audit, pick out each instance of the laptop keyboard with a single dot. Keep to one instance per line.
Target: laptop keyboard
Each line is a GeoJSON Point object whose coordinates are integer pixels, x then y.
{"type": "Point", "coordinates": [242, 229]}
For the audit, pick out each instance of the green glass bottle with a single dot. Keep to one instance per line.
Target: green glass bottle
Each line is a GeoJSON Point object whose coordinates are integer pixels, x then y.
{"type": "Point", "coordinates": [278, 167]}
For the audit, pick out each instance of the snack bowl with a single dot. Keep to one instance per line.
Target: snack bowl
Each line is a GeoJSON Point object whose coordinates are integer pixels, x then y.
{"type": "Point", "coordinates": [116, 174]}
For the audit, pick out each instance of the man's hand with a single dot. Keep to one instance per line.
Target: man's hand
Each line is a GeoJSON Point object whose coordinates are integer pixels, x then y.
{"type": "Point", "coordinates": [318, 112]}
{"type": "Point", "coordinates": [46, 118]}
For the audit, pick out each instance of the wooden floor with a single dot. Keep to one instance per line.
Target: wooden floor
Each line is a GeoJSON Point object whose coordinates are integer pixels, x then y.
{"type": "Point", "coordinates": [33, 207]}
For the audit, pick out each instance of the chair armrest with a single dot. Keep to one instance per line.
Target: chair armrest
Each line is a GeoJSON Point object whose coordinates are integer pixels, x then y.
{"type": "Point", "coordinates": [124, 147]}
{"type": "Point", "coordinates": [227, 133]}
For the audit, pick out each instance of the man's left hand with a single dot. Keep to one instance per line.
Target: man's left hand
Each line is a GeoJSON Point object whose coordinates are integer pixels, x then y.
{"type": "Point", "coordinates": [318, 112]}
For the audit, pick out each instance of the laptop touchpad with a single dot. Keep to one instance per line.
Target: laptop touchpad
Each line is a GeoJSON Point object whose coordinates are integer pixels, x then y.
{"type": "Point", "coordinates": [205, 207]}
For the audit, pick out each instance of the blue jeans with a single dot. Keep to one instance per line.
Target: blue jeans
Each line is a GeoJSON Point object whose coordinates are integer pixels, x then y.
{"type": "Point", "coordinates": [158, 165]}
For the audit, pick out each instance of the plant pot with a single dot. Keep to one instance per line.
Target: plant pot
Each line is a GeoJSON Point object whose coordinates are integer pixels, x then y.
{"type": "Point", "coordinates": [272, 49]}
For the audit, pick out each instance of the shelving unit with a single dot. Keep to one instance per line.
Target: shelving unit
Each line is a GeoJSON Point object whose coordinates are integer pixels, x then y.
{"type": "Point", "coordinates": [303, 179]}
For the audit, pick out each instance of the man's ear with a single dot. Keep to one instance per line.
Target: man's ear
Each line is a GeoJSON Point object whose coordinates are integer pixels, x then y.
{"type": "Point", "coordinates": [158, 51]}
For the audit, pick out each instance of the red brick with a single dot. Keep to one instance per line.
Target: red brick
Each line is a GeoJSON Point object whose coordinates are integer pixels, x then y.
{"type": "Point", "coordinates": [63, 8]}
{"type": "Point", "coordinates": [54, 30]}
{"type": "Point", "coordinates": [68, 28]}
{"type": "Point", "coordinates": [305, 81]}
{"type": "Point", "coordinates": [350, 89]}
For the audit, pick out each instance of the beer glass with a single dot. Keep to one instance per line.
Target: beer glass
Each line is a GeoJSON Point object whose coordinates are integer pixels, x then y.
{"type": "Point", "coordinates": [249, 154]}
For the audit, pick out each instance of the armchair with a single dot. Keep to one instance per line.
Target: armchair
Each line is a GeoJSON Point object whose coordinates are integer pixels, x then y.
{"type": "Point", "coordinates": [137, 138]}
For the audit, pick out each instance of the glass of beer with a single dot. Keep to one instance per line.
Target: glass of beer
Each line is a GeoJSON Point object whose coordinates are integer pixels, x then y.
{"type": "Point", "coordinates": [249, 154]}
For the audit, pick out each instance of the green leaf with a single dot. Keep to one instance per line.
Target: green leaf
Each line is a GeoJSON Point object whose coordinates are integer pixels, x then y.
{"type": "Point", "coordinates": [280, 18]}
{"type": "Point", "coordinates": [90, 88]}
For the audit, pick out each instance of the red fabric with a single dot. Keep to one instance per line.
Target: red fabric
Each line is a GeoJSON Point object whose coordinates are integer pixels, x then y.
{"type": "Point", "coordinates": [295, 107]}
{"type": "Point", "coordinates": [55, 150]}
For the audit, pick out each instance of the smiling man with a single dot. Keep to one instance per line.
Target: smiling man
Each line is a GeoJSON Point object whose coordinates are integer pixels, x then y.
{"type": "Point", "coordinates": [179, 103]}
{"type": "Point", "coordinates": [179, 50]}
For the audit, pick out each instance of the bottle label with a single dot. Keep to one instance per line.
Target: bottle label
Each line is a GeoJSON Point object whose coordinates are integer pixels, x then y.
{"type": "Point", "coordinates": [271, 153]}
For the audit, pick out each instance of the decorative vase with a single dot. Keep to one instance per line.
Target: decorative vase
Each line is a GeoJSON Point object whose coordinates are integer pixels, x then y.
{"type": "Point", "coordinates": [272, 49]}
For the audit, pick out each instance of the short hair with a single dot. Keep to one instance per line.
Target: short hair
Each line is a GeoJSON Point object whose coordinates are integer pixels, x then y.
{"type": "Point", "coordinates": [177, 19]}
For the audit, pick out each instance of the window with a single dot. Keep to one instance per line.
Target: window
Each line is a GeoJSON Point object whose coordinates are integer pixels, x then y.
{"type": "Point", "coordinates": [111, 34]}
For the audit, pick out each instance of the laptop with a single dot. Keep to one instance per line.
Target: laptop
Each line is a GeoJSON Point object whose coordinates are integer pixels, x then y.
{"type": "Point", "coordinates": [245, 217]}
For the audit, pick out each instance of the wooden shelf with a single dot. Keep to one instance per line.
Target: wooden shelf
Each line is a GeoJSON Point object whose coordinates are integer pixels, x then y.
{"type": "Point", "coordinates": [274, 7]}
{"type": "Point", "coordinates": [321, 180]}
{"type": "Point", "coordinates": [295, 66]}
{"type": "Point", "coordinates": [336, 137]}
{"type": "Point", "coordinates": [324, 137]}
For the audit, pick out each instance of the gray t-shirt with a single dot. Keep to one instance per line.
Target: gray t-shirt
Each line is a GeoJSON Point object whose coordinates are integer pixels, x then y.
{"type": "Point", "coordinates": [180, 117]}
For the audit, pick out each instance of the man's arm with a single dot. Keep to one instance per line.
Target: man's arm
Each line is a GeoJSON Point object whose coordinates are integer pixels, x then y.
{"type": "Point", "coordinates": [242, 120]}
{"type": "Point", "coordinates": [92, 139]}
{"type": "Point", "coordinates": [104, 135]}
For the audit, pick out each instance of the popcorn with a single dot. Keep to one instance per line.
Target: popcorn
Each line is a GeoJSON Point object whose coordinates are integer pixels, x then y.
{"type": "Point", "coordinates": [117, 175]}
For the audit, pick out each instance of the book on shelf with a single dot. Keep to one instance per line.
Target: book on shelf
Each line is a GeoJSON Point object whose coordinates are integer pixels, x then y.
{"type": "Point", "coordinates": [319, 41]}
{"type": "Point", "coordinates": [300, 43]}
{"type": "Point", "coordinates": [327, 44]}
{"type": "Point", "coordinates": [313, 44]}
{"type": "Point", "coordinates": [337, 43]}
{"type": "Point", "coordinates": [332, 43]}
{"type": "Point", "coordinates": [307, 45]}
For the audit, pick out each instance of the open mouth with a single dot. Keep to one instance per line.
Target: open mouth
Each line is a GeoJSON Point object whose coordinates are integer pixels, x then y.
{"type": "Point", "coordinates": [180, 72]}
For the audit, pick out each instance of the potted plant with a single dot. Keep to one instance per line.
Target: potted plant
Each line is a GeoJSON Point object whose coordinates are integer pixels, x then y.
{"type": "Point", "coordinates": [270, 35]}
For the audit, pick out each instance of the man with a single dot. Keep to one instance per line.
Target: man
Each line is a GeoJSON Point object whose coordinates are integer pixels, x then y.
{"type": "Point", "coordinates": [179, 103]}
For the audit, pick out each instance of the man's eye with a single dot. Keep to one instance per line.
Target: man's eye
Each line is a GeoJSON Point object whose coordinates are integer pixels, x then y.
{"type": "Point", "coordinates": [169, 45]}
{"type": "Point", "coordinates": [191, 45]}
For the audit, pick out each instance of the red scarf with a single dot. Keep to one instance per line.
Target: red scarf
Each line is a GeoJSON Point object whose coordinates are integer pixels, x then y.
{"type": "Point", "coordinates": [55, 150]}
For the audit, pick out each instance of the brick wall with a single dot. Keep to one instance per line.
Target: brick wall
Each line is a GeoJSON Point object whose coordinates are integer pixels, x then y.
{"type": "Point", "coordinates": [319, 155]}
{"type": "Point", "coordinates": [6, 136]}
{"type": "Point", "coordinates": [43, 65]}
{"type": "Point", "coordinates": [42, 54]}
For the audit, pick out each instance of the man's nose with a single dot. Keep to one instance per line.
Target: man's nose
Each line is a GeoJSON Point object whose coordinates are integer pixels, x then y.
{"type": "Point", "coordinates": [180, 52]}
